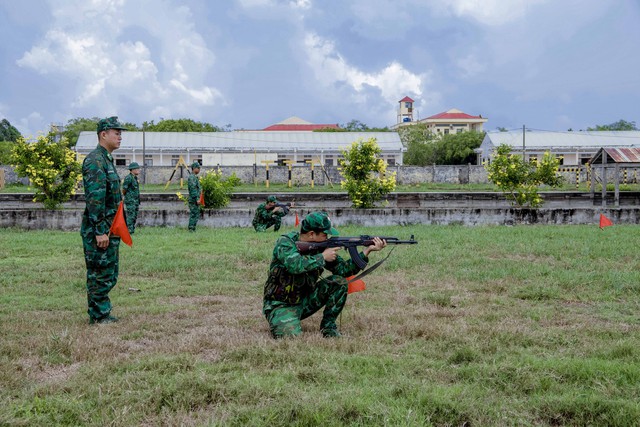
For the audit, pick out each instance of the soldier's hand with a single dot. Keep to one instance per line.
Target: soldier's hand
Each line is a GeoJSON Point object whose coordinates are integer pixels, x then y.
{"type": "Point", "coordinates": [102, 241]}
{"type": "Point", "coordinates": [378, 244]}
{"type": "Point", "coordinates": [330, 254]}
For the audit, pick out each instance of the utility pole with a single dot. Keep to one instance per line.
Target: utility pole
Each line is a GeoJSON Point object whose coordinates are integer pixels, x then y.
{"type": "Point", "coordinates": [144, 159]}
{"type": "Point", "coordinates": [523, 145]}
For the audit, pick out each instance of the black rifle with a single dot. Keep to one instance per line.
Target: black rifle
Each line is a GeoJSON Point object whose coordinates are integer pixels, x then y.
{"type": "Point", "coordinates": [285, 206]}
{"type": "Point", "coordinates": [351, 244]}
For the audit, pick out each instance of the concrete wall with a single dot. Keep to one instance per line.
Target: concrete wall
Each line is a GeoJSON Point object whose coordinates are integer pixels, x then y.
{"type": "Point", "coordinates": [407, 175]}
{"type": "Point", "coordinates": [70, 219]}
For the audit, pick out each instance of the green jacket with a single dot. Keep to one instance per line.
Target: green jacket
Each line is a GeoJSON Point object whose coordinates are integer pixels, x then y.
{"type": "Point", "coordinates": [292, 276]}
{"type": "Point", "coordinates": [101, 192]}
{"type": "Point", "coordinates": [131, 190]}
{"type": "Point", "coordinates": [264, 216]}
{"type": "Point", "coordinates": [193, 183]}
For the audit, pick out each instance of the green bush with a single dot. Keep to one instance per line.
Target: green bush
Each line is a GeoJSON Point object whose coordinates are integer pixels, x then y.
{"type": "Point", "coordinates": [520, 180]}
{"type": "Point", "coordinates": [364, 174]}
{"type": "Point", "coordinates": [217, 191]}
{"type": "Point", "coordinates": [51, 166]}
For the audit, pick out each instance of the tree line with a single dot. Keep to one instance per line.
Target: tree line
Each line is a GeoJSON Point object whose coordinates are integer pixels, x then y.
{"type": "Point", "coordinates": [423, 146]}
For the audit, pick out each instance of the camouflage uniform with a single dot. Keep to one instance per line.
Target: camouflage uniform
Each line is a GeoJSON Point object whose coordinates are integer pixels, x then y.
{"type": "Point", "coordinates": [264, 218]}
{"type": "Point", "coordinates": [193, 184]}
{"type": "Point", "coordinates": [295, 290]}
{"type": "Point", "coordinates": [131, 191]}
{"type": "Point", "coordinates": [102, 196]}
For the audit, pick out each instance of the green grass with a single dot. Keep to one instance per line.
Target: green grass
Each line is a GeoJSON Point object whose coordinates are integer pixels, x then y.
{"type": "Point", "coordinates": [526, 325]}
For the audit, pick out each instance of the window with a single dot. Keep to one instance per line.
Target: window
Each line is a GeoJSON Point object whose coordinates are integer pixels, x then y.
{"type": "Point", "coordinates": [175, 158]}
{"type": "Point", "coordinates": [391, 161]}
{"type": "Point", "coordinates": [459, 130]}
{"type": "Point", "coordinates": [446, 131]}
{"type": "Point", "coordinates": [148, 160]}
{"type": "Point", "coordinates": [328, 162]}
{"type": "Point", "coordinates": [407, 105]}
{"type": "Point", "coordinates": [121, 162]}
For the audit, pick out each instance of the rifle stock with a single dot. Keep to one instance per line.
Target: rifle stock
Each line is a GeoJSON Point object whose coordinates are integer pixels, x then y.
{"type": "Point", "coordinates": [351, 244]}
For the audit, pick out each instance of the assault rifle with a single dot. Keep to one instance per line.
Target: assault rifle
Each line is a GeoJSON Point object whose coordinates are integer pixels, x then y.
{"type": "Point", "coordinates": [351, 244]}
{"type": "Point", "coordinates": [285, 206]}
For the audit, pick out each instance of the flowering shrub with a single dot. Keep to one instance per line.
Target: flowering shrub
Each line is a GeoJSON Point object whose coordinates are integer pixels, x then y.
{"type": "Point", "coordinates": [50, 166]}
{"type": "Point", "coordinates": [359, 168]}
{"type": "Point", "coordinates": [217, 191]}
{"type": "Point", "coordinates": [519, 180]}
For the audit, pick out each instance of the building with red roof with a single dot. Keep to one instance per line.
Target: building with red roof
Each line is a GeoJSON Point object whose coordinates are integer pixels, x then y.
{"type": "Point", "coordinates": [454, 121]}
{"type": "Point", "coordinates": [297, 124]}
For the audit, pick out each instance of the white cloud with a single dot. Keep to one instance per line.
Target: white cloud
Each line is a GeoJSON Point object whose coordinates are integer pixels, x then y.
{"type": "Point", "coordinates": [470, 65]}
{"type": "Point", "coordinates": [492, 12]}
{"type": "Point", "coordinates": [94, 45]}
{"type": "Point", "coordinates": [331, 70]}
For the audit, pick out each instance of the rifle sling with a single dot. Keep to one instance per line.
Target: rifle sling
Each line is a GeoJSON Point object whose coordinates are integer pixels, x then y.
{"type": "Point", "coordinates": [373, 267]}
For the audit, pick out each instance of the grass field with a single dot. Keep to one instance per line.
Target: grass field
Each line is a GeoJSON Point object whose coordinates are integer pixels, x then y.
{"type": "Point", "coordinates": [482, 326]}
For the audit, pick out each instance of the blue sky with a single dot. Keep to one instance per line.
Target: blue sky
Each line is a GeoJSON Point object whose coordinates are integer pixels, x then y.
{"type": "Point", "coordinates": [546, 64]}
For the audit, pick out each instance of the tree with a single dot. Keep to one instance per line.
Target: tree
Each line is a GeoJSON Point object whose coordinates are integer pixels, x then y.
{"type": "Point", "coordinates": [417, 139]}
{"type": "Point", "coordinates": [354, 126]}
{"type": "Point", "coordinates": [6, 148]}
{"type": "Point", "coordinates": [426, 148]}
{"type": "Point", "coordinates": [179, 125]}
{"type": "Point", "coordinates": [619, 125]}
{"type": "Point", "coordinates": [74, 127]}
{"type": "Point", "coordinates": [8, 132]}
{"type": "Point", "coordinates": [519, 180]}
{"type": "Point", "coordinates": [459, 148]}
{"type": "Point", "coordinates": [364, 173]}
{"type": "Point", "coordinates": [50, 166]}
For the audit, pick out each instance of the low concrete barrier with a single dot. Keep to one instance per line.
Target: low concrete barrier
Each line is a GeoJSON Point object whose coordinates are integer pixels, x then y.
{"type": "Point", "coordinates": [70, 219]}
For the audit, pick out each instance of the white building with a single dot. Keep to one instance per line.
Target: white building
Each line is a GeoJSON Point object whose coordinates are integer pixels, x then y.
{"type": "Point", "coordinates": [240, 147]}
{"type": "Point", "coordinates": [575, 148]}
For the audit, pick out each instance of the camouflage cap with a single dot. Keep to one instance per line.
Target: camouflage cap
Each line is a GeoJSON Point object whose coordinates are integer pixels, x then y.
{"type": "Point", "coordinates": [133, 165]}
{"type": "Point", "coordinates": [318, 222]}
{"type": "Point", "coordinates": [195, 165]}
{"type": "Point", "coordinates": [110, 123]}
{"type": "Point", "coordinates": [272, 199]}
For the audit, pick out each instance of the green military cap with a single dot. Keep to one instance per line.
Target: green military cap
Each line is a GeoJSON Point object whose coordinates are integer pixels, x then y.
{"type": "Point", "coordinates": [272, 199]}
{"type": "Point", "coordinates": [110, 123]}
{"type": "Point", "coordinates": [195, 165]}
{"type": "Point", "coordinates": [133, 165]}
{"type": "Point", "coordinates": [318, 222]}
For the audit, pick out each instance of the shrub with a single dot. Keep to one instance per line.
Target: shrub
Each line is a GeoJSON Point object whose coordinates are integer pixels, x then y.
{"type": "Point", "coordinates": [359, 168]}
{"type": "Point", "coordinates": [217, 191]}
{"type": "Point", "coordinates": [520, 180]}
{"type": "Point", "coordinates": [50, 166]}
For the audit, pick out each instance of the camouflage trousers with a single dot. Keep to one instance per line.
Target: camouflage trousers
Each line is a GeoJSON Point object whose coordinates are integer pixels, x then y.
{"type": "Point", "coordinates": [284, 319]}
{"type": "Point", "coordinates": [131, 214]}
{"type": "Point", "coordinates": [275, 220]}
{"type": "Point", "coordinates": [102, 275]}
{"type": "Point", "coordinates": [194, 215]}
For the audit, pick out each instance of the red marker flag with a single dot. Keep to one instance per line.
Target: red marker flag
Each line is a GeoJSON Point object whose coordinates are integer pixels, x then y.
{"type": "Point", "coordinates": [604, 222]}
{"type": "Point", "coordinates": [119, 226]}
{"type": "Point", "coordinates": [355, 285]}
{"type": "Point", "coordinates": [201, 201]}
{"type": "Point", "coordinates": [297, 223]}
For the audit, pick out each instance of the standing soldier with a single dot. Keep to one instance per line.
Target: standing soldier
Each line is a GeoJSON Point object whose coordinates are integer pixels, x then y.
{"type": "Point", "coordinates": [131, 192]}
{"type": "Point", "coordinates": [268, 214]}
{"type": "Point", "coordinates": [102, 196]}
{"type": "Point", "coordinates": [193, 183]}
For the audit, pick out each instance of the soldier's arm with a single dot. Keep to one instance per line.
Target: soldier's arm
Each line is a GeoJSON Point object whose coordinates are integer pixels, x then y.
{"type": "Point", "coordinates": [95, 181]}
{"type": "Point", "coordinates": [294, 262]}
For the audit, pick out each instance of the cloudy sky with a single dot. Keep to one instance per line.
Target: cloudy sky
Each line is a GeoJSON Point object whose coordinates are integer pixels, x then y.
{"type": "Point", "coordinates": [546, 64]}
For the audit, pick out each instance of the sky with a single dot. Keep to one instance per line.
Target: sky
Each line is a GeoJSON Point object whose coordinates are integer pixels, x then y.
{"type": "Point", "coordinates": [247, 64]}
